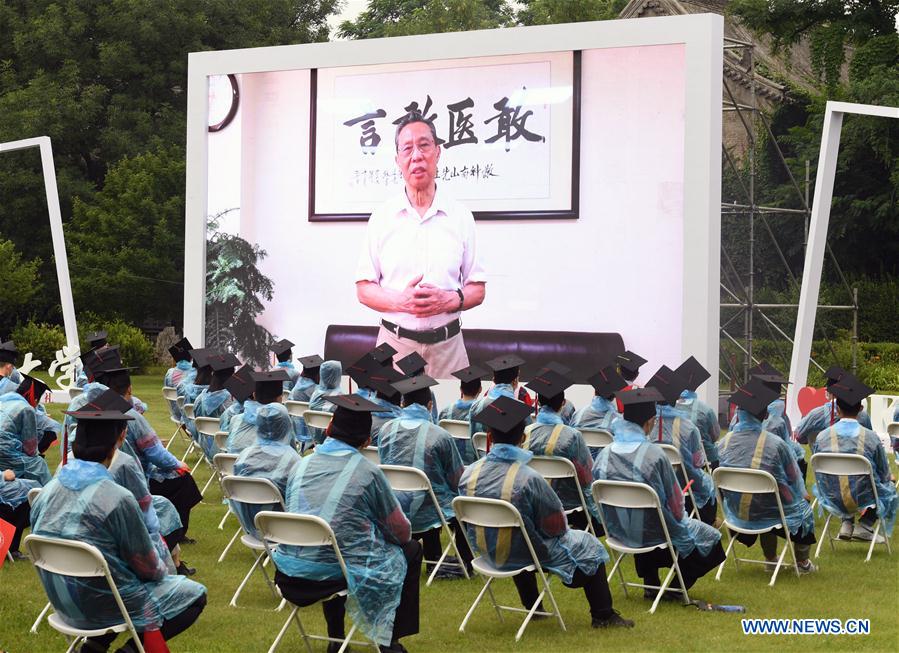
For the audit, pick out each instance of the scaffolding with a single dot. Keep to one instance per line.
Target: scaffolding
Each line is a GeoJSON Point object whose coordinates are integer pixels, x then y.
{"type": "Point", "coordinates": [742, 295]}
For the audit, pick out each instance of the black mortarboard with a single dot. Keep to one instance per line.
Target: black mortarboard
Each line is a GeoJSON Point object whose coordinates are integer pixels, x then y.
{"type": "Point", "coordinates": [184, 344]}
{"type": "Point", "coordinates": [222, 360]}
{"type": "Point", "coordinates": [97, 416]}
{"type": "Point", "coordinates": [630, 361]}
{"type": "Point", "coordinates": [412, 364]}
{"type": "Point", "coordinates": [640, 403]}
{"type": "Point", "coordinates": [270, 381]}
{"type": "Point", "coordinates": [201, 356]}
{"type": "Point", "coordinates": [503, 414]}
{"type": "Point", "coordinates": [281, 346]}
{"type": "Point", "coordinates": [833, 374]}
{"type": "Point", "coordinates": [180, 351]}
{"type": "Point", "coordinates": [548, 384]}
{"type": "Point", "coordinates": [102, 360]}
{"type": "Point", "coordinates": [8, 352]}
{"type": "Point", "coordinates": [109, 400]}
{"type": "Point", "coordinates": [32, 389]}
{"type": "Point", "coordinates": [558, 368]}
{"type": "Point", "coordinates": [382, 381]}
{"type": "Point", "coordinates": [668, 383]}
{"type": "Point", "coordinates": [241, 384]}
{"type": "Point", "coordinates": [411, 384]}
{"type": "Point", "coordinates": [363, 368]}
{"type": "Point", "coordinates": [383, 353]}
{"type": "Point", "coordinates": [607, 381]}
{"type": "Point", "coordinates": [692, 374]}
{"type": "Point", "coordinates": [110, 377]}
{"type": "Point", "coordinates": [311, 362]}
{"type": "Point", "coordinates": [352, 418]}
{"type": "Point", "coordinates": [850, 390]}
{"type": "Point", "coordinates": [96, 339]}
{"type": "Point", "coordinates": [506, 362]}
{"type": "Point", "coordinates": [471, 373]}
{"type": "Point", "coordinates": [754, 397]}
{"type": "Point", "coordinates": [769, 374]}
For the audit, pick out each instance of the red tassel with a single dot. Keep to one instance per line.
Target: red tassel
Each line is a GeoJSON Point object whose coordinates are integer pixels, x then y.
{"type": "Point", "coordinates": [154, 642]}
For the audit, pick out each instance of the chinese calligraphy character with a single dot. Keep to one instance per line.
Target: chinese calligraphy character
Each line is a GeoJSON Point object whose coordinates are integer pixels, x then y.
{"type": "Point", "coordinates": [370, 137]}
{"type": "Point", "coordinates": [461, 127]}
{"type": "Point", "coordinates": [66, 362]}
{"type": "Point", "coordinates": [412, 109]}
{"type": "Point", "coordinates": [510, 125]}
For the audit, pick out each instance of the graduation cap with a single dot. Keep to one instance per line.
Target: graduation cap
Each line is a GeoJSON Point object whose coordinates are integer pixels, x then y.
{"type": "Point", "coordinates": [270, 382]}
{"type": "Point", "coordinates": [558, 368]}
{"type": "Point", "coordinates": [383, 353]}
{"type": "Point", "coordinates": [98, 361]}
{"type": "Point", "coordinates": [833, 374]}
{"type": "Point", "coordinates": [32, 389]}
{"type": "Point", "coordinates": [241, 384]}
{"type": "Point", "coordinates": [754, 397]}
{"type": "Point", "coordinates": [96, 339]}
{"type": "Point", "coordinates": [8, 352]}
{"type": "Point", "coordinates": [281, 347]}
{"type": "Point", "coordinates": [362, 369]}
{"type": "Point", "coordinates": [503, 414]}
{"type": "Point", "coordinates": [352, 418]}
{"type": "Point", "coordinates": [96, 419]}
{"type": "Point", "coordinates": [640, 403]}
{"type": "Point", "coordinates": [692, 374]}
{"type": "Point", "coordinates": [97, 416]}
{"type": "Point", "coordinates": [382, 381]}
{"type": "Point", "coordinates": [630, 361]}
{"type": "Point", "coordinates": [607, 381]}
{"type": "Point", "coordinates": [221, 361]}
{"type": "Point", "coordinates": [548, 384]}
{"type": "Point", "coordinates": [471, 373]}
{"type": "Point", "coordinates": [412, 364]}
{"type": "Point", "coordinates": [849, 391]}
{"type": "Point", "coordinates": [109, 400]}
{"type": "Point", "coordinates": [202, 356]}
{"type": "Point", "coordinates": [413, 383]}
{"type": "Point", "coordinates": [769, 374]}
{"type": "Point", "coordinates": [311, 362]}
{"type": "Point", "coordinates": [506, 362]}
{"type": "Point", "coordinates": [668, 383]}
{"type": "Point", "coordinates": [184, 344]}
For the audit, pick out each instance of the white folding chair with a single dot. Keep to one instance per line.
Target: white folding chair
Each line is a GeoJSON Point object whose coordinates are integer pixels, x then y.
{"type": "Point", "coordinates": [253, 491]}
{"type": "Point", "coordinates": [844, 465]}
{"type": "Point", "coordinates": [754, 482]}
{"type": "Point", "coordinates": [32, 497]}
{"type": "Point", "coordinates": [317, 419]}
{"type": "Point", "coordinates": [596, 438]}
{"type": "Point", "coordinates": [224, 465]}
{"type": "Point", "coordinates": [674, 457]}
{"type": "Point", "coordinates": [479, 442]}
{"type": "Point", "coordinates": [458, 429]}
{"type": "Point", "coordinates": [893, 432]}
{"type": "Point", "coordinates": [187, 412]}
{"type": "Point", "coordinates": [78, 560]}
{"type": "Point", "coordinates": [171, 395]}
{"type": "Point", "coordinates": [495, 513]}
{"type": "Point", "coordinates": [555, 468]}
{"type": "Point", "coordinates": [296, 408]}
{"type": "Point", "coordinates": [372, 454]}
{"type": "Point", "coordinates": [285, 396]}
{"type": "Point", "coordinates": [74, 392]}
{"type": "Point", "coordinates": [628, 495]}
{"type": "Point", "coordinates": [412, 479]}
{"type": "Point", "coordinates": [207, 428]}
{"type": "Point", "coordinates": [221, 441]}
{"type": "Point", "coordinates": [304, 530]}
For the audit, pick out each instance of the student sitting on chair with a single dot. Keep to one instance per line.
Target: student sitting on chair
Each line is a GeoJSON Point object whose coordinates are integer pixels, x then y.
{"type": "Point", "coordinates": [575, 556]}
{"type": "Point", "coordinates": [469, 388]}
{"type": "Point", "coordinates": [820, 417]}
{"type": "Point", "coordinates": [284, 353]}
{"type": "Point", "coordinates": [505, 384]}
{"type": "Point", "coordinates": [375, 383]}
{"type": "Point", "coordinates": [22, 442]}
{"type": "Point", "coordinates": [14, 507]}
{"type": "Point", "coordinates": [267, 388]}
{"type": "Point", "coordinates": [183, 369]}
{"type": "Point", "coordinates": [703, 416]}
{"type": "Point", "coordinates": [750, 447]}
{"type": "Point", "coordinates": [602, 410]}
{"type": "Point", "coordinates": [629, 365]}
{"type": "Point", "coordinates": [328, 386]}
{"type": "Point", "coordinates": [215, 400]}
{"type": "Point", "coordinates": [843, 497]}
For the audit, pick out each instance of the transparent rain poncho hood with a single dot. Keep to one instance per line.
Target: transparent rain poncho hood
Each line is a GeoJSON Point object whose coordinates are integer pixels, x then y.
{"type": "Point", "coordinates": [704, 418]}
{"type": "Point", "coordinates": [673, 428]}
{"type": "Point", "coordinates": [243, 428]}
{"type": "Point", "coordinates": [19, 438]}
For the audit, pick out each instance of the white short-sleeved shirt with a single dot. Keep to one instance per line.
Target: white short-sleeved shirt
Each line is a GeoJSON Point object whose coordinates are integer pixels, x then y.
{"type": "Point", "coordinates": [400, 245]}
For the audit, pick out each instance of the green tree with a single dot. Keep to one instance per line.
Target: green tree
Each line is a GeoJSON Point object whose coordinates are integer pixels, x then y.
{"type": "Point", "coordinates": [551, 12]}
{"type": "Point", "coordinates": [19, 285]}
{"type": "Point", "coordinates": [403, 17]}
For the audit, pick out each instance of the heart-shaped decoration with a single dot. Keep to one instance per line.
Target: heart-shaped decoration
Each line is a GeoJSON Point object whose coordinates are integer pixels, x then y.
{"type": "Point", "coordinates": [810, 398]}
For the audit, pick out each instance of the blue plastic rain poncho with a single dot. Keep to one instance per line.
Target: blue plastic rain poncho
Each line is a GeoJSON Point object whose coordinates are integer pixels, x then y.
{"type": "Point", "coordinates": [210, 404]}
{"type": "Point", "coordinates": [778, 424]}
{"type": "Point", "coordinates": [821, 417]}
{"type": "Point", "coordinates": [84, 503]}
{"type": "Point", "coordinates": [190, 390]}
{"type": "Point", "coordinates": [272, 456]}
{"type": "Point", "coordinates": [142, 443]}
{"type": "Point", "coordinates": [175, 376]}
{"type": "Point", "coordinates": [549, 436]}
{"type": "Point", "coordinates": [391, 411]}
{"type": "Point", "coordinates": [749, 447]}
{"type": "Point", "coordinates": [302, 391]}
{"type": "Point", "coordinates": [338, 484]}
{"type": "Point", "coordinates": [458, 410]}
{"type": "Point", "coordinates": [848, 495]}
{"type": "Point", "coordinates": [504, 474]}
{"type": "Point", "coordinates": [413, 440]}
{"type": "Point", "coordinates": [632, 458]}
{"type": "Point", "coordinates": [498, 390]}
{"type": "Point", "coordinates": [15, 492]}
{"type": "Point", "coordinates": [242, 429]}
{"type": "Point", "coordinates": [90, 392]}
{"type": "Point", "coordinates": [234, 409]}
{"type": "Point", "coordinates": [567, 412]}
{"type": "Point", "coordinates": [329, 385]}
{"type": "Point", "coordinates": [127, 472]}
{"type": "Point", "coordinates": [705, 419]}
{"type": "Point", "coordinates": [598, 414]}
{"type": "Point", "coordinates": [7, 385]}
{"type": "Point", "coordinates": [673, 428]}
{"type": "Point", "coordinates": [292, 373]}
{"type": "Point", "coordinates": [19, 439]}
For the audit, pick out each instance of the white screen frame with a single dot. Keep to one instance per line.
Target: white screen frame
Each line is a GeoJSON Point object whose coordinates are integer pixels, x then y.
{"type": "Point", "coordinates": [702, 36]}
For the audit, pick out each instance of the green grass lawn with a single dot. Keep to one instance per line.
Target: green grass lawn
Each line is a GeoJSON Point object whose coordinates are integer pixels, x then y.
{"type": "Point", "coordinates": [844, 588]}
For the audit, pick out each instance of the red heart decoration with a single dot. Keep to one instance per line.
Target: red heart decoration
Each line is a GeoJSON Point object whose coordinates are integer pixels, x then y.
{"type": "Point", "coordinates": [810, 398]}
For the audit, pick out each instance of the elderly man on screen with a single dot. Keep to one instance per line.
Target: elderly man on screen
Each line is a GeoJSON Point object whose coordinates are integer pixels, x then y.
{"type": "Point", "coordinates": [419, 265]}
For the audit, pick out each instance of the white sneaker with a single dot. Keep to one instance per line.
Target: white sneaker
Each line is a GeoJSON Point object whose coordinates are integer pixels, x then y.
{"type": "Point", "coordinates": [810, 568]}
{"type": "Point", "coordinates": [865, 533]}
{"type": "Point", "coordinates": [846, 529]}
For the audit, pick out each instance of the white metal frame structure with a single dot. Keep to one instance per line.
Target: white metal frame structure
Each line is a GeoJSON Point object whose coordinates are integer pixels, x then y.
{"type": "Point", "coordinates": [556, 468]}
{"type": "Point", "coordinates": [677, 461]}
{"type": "Point", "coordinates": [817, 238]}
{"type": "Point", "coordinates": [703, 38]}
{"type": "Point", "coordinates": [56, 233]}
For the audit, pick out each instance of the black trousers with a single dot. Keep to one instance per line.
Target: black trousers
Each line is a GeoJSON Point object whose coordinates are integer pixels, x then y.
{"type": "Point", "coordinates": [182, 491]}
{"type": "Point", "coordinates": [692, 567]}
{"type": "Point", "coordinates": [303, 592]}
{"type": "Point", "coordinates": [707, 514]}
{"type": "Point", "coordinates": [47, 439]}
{"type": "Point", "coordinates": [430, 542]}
{"type": "Point", "coordinates": [578, 521]}
{"type": "Point", "coordinates": [169, 629]}
{"type": "Point", "coordinates": [20, 517]}
{"type": "Point", "coordinates": [596, 589]}
{"type": "Point", "coordinates": [803, 467]}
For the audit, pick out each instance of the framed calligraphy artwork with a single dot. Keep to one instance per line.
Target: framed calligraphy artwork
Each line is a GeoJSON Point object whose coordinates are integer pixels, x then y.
{"type": "Point", "coordinates": [508, 129]}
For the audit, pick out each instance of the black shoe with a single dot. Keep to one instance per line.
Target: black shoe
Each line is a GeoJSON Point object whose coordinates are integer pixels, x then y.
{"type": "Point", "coordinates": [669, 595]}
{"type": "Point", "coordinates": [615, 620]}
{"type": "Point", "coordinates": [187, 540]}
{"type": "Point", "coordinates": [184, 570]}
{"type": "Point", "coordinates": [449, 573]}
{"type": "Point", "coordinates": [395, 647]}
{"type": "Point", "coordinates": [18, 556]}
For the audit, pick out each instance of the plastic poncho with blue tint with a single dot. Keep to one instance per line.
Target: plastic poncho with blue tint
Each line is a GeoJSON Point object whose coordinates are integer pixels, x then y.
{"type": "Point", "coordinates": [19, 439]}
{"type": "Point", "coordinates": [329, 385]}
{"type": "Point", "coordinates": [126, 471]}
{"type": "Point", "coordinates": [302, 391]}
{"type": "Point", "coordinates": [632, 458]}
{"type": "Point", "coordinates": [600, 413]}
{"type": "Point", "coordinates": [139, 405]}
{"type": "Point", "coordinates": [243, 428]}
{"type": "Point", "coordinates": [234, 409]}
{"type": "Point", "coordinates": [412, 440]}
{"type": "Point", "coordinates": [142, 443]}
{"type": "Point", "coordinates": [847, 495]}
{"type": "Point", "coordinates": [567, 412]}
{"type": "Point", "coordinates": [549, 436]}
{"type": "Point", "coordinates": [504, 474]}
{"type": "Point", "coordinates": [822, 417]}
{"type": "Point", "coordinates": [81, 379]}
{"type": "Point", "coordinates": [85, 504]}
{"type": "Point", "coordinates": [15, 492]}
{"type": "Point", "coordinates": [338, 484]}
{"type": "Point", "coordinates": [749, 447]}
{"type": "Point", "coordinates": [498, 390]}
{"type": "Point", "coordinates": [190, 390]}
{"type": "Point", "coordinates": [90, 392]}
{"type": "Point", "coordinates": [673, 428]}
{"type": "Point", "coordinates": [7, 385]}
{"type": "Point", "coordinates": [210, 404]}
{"type": "Point", "coordinates": [391, 411]}
{"type": "Point", "coordinates": [777, 423]}
{"type": "Point", "coordinates": [175, 376]}
{"type": "Point", "coordinates": [458, 410]}
{"type": "Point", "coordinates": [292, 374]}
{"type": "Point", "coordinates": [705, 419]}
{"type": "Point", "coordinates": [272, 456]}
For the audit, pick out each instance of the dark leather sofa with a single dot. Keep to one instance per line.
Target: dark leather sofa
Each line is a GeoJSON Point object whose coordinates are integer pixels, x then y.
{"type": "Point", "coordinates": [583, 352]}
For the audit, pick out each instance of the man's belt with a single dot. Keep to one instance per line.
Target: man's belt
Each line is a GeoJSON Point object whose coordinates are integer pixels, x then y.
{"type": "Point", "coordinates": [428, 336]}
